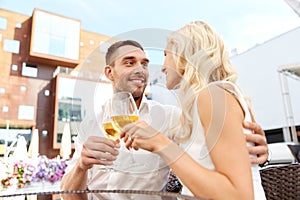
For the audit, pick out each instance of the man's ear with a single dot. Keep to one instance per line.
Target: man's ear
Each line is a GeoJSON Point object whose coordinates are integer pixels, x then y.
{"type": "Point", "coordinates": [108, 72]}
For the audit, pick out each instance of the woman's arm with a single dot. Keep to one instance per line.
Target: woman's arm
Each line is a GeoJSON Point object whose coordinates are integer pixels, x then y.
{"type": "Point", "coordinates": [232, 178]}
{"type": "Point", "coordinates": [222, 116]}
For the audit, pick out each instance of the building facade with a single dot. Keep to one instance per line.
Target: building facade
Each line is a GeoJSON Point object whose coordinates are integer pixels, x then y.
{"type": "Point", "coordinates": [34, 52]}
{"type": "Point", "coordinates": [259, 70]}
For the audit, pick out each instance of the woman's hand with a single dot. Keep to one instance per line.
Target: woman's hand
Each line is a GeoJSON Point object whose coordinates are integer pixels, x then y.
{"type": "Point", "coordinates": [142, 135]}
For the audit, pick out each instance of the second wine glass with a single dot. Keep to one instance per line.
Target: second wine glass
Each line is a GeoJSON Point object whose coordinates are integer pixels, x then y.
{"type": "Point", "coordinates": [124, 109]}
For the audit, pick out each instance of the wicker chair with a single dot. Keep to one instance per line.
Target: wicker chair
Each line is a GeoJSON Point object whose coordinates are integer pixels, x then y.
{"type": "Point", "coordinates": [281, 182]}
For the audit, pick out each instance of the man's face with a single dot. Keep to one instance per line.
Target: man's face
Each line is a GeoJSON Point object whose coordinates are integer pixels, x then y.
{"type": "Point", "coordinates": [129, 71]}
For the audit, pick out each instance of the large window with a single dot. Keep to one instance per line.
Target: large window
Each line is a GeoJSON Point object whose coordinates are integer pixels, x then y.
{"type": "Point", "coordinates": [76, 99]}
{"type": "Point", "coordinates": [55, 36]}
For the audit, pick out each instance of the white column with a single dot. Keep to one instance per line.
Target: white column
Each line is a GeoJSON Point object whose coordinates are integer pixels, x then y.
{"type": "Point", "coordinates": [290, 129]}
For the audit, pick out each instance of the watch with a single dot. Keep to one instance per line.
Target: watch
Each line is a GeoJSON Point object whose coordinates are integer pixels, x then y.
{"type": "Point", "coordinates": [268, 159]}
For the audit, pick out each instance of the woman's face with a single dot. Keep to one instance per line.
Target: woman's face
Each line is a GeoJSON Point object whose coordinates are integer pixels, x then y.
{"type": "Point", "coordinates": [173, 78]}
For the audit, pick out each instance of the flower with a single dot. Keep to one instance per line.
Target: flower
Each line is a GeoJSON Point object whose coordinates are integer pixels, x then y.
{"type": "Point", "coordinates": [50, 169]}
{"type": "Point", "coordinates": [22, 173]}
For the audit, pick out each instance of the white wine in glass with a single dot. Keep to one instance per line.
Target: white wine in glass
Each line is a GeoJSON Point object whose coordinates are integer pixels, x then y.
{"type": "Point", "coordinates": [112, 130]}
{"type": "Point", "coordinates": [124, 109]}
{"type": "Point", "coordinates": [123, 120]}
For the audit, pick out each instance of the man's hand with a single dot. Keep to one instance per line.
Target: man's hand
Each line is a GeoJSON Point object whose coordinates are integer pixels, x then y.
{"type": "Point", "coordinates": [259, 139]}
{"type": "Point", "coordinates": [98, 150]}
{"type": "Point", "coordinates": [95, 151]}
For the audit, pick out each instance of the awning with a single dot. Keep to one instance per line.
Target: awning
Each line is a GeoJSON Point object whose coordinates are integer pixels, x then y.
{"type": "Point", "coordinates": [293, 69]}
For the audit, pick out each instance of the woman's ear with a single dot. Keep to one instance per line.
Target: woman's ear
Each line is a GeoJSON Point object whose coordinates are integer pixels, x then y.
{"type": "Point", "coordinates": [108, 72]}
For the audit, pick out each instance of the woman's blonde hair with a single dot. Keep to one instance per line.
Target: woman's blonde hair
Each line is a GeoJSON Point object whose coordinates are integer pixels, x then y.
{"type": "Point", "coordinates": [200, 56]}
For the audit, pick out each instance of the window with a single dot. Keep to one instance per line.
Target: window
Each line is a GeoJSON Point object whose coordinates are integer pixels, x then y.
{"type": "Point", "coordinates": [46, 92]}
{"type": "Point", "coordinates": [12, 46]}
{"type": "Point", "coordinates": [29, 70]}
{"type": "Point", "coordinates": [26, 112]}
{"type": "Point", "coordinates": [73, 98]}
{"type": "Point", "coordinates": [44, 132]}
{"type": "Point", "coordinates": [14, 132]}
{"type": "Point", "coordinates": [14, 67]}
{"type": "Point", "coordinates": [5, 109]}
{"type": "Point", "coordinates": [18, 25]}
{"type": "Point", "coordinates": [2, 90]}
{"type": "Point", "coordinates": [55, 35]}
{"type": "Point", "coordinates": [23, 88]}
{"type": "Point", "coordinates": [3, 23]}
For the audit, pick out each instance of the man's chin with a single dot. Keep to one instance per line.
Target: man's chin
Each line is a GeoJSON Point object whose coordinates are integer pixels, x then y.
{"type": "Point", "coordinates": [138, 93]}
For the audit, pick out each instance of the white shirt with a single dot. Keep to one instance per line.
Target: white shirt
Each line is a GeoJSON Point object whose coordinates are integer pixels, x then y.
{"type": "Point", "coordinates": [135, 170]}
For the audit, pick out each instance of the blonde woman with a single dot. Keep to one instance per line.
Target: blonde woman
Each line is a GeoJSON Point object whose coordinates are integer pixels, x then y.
{"type": "Point", "coordinates": [209, 154]}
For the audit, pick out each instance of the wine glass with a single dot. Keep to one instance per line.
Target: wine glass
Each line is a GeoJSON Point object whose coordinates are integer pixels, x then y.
{"type": "Point", "coordinates": [112, 131]}
{"type": "Point", "coordinates": [124, 109]}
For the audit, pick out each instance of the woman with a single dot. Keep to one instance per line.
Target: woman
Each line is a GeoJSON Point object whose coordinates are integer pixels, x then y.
{"type": "Point", "coordinates": [211, 157]}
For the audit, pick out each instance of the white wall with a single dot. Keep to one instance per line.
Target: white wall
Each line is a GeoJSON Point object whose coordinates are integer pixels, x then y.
{"type": "Point", "coordinates": [259, 78]}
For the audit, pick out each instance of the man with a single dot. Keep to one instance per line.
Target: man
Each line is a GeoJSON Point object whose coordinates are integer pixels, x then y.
{"type": "Point", "coordinates": [127, 68]}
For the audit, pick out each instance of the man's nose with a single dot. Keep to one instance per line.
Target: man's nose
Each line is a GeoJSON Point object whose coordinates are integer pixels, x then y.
{"type": "Point", "coordinates": [140, 68]}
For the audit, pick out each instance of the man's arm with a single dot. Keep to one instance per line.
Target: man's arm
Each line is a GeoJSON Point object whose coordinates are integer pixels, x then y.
{"type": "Point", "coordinates": [95, 151]}
{"type": "Point", "coordinates": [76, 179]}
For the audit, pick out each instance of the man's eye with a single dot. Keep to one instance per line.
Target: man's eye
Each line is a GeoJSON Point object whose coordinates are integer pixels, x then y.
{"type": "Point", "coordinates": [129, 63]}
{"type": "Point", "coordinates": [145, 64]}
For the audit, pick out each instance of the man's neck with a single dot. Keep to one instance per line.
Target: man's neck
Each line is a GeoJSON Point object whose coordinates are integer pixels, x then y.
{"type": "Point", "coordinates": [138, 101]}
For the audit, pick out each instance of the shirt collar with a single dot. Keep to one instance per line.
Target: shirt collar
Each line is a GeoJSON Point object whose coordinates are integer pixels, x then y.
{"type": "Point", "coordinates": [144, 106]}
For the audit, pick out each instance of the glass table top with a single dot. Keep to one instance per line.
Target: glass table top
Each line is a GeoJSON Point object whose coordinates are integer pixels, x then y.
{"type": "Point", "coordinates": [99, 195]}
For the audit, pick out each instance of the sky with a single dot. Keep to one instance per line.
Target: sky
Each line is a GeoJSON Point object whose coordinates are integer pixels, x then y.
{"type": "Point", "coordinates": [242, 24]}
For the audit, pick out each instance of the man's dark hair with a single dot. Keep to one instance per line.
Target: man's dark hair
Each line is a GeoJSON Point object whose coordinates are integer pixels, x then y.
{"type": "Point", "coordinates": [113, 48]}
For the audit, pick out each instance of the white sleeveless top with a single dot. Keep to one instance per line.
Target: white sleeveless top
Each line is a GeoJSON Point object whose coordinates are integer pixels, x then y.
{"type": "Point", "coordinates": [197, 148]}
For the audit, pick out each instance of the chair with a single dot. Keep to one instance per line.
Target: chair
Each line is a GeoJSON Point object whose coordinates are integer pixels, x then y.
{"type": "Point", "coordinates": [173, 184]}
{"type": "Point", "coordinates": [295, 150]}
{"type": "Point", "coordinates": [281, 181]}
